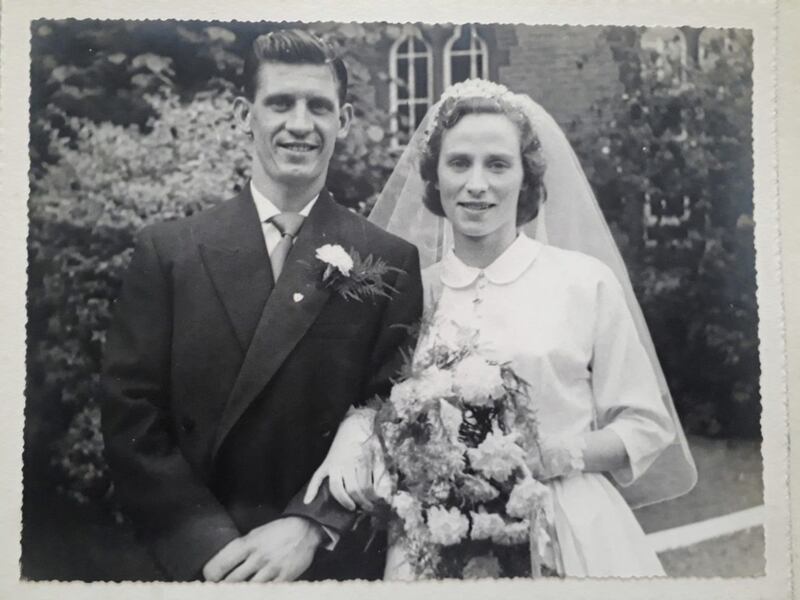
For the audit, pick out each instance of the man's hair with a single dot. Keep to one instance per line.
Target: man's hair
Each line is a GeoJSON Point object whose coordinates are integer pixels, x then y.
{"type": "Point", "coordinates": [533, 166]}
{"type": "Point", "coordinates": [295, 47]}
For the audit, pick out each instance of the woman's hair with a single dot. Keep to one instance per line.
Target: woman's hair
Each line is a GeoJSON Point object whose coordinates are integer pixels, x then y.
{"type": "Point", "coordinates": [294, 47]}
{"type": "Point", "coordinates": [450, 113]}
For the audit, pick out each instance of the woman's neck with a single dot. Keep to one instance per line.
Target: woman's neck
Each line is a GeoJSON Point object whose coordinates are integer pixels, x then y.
{"type": "Point", "coordinates": [480, 252]}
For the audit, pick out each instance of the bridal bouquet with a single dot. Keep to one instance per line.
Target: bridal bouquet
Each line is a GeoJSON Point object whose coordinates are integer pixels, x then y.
{"type": "Point", "coordinates": [459, 434]}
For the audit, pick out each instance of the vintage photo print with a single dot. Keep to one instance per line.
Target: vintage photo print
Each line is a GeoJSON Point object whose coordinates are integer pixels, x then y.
{"type": "Point", "coordinates": [439, 300]}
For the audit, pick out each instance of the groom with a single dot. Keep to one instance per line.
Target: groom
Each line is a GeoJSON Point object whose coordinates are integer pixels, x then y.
{"type": "Point", "coordinates": [230, 363]}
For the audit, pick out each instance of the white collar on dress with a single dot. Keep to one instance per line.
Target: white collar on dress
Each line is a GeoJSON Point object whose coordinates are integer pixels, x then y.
{"type": "Point", "coordinates": [266, 209]}
{"type": "Point", "coordinates": [507, 267]}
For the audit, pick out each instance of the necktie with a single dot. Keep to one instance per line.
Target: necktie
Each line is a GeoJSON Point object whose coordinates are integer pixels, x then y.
{"type": "Point", "coordinates": [288, 224]}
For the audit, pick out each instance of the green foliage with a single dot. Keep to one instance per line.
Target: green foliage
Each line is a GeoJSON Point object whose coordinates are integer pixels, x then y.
{"type": "Point", "coordinates": [85, 209]}
{"type": "Point", "coordinates": [679, 136]}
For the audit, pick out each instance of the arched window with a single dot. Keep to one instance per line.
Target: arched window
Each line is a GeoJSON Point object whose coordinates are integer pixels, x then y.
{"type": "Point", "coordinates": [466, 56]}
{"type": "Point", "coordinates": [715, 45]}
{"type": "Point", "coordinates": [668, 52]}
{"type": "Point", "coordinates": [410, 90]}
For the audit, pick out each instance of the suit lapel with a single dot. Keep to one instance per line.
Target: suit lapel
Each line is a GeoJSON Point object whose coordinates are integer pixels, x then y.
{"type": "Point", "coordinates": [235, 256]}
{"type": "Point", "coordinates": [292, 307]}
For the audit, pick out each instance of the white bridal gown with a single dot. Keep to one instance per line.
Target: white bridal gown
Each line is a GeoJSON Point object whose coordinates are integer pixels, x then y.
{"type": "Point", "coordinates": [561, 319]}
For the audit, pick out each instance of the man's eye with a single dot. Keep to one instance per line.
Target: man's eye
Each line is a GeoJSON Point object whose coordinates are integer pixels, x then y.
{"type": "Point", "coordinates": [459, 163]}
{"type": "Point", "coordinates": [319, 108]}
{"type": "Point", "coordinates": [280, 104]}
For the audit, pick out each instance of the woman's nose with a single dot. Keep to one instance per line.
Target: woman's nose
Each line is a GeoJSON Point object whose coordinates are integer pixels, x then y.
{"type": "Point", "coordinates": [299, 121]}
{"type": "Point", "coordinates": [476, 184]}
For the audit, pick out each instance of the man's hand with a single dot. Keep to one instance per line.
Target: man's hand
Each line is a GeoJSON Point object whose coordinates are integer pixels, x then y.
{"type": "Point", "coordinates": [281, 550]}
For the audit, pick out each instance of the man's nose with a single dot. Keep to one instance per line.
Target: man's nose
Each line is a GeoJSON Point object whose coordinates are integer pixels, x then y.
{"type": "Point", "coordinates": [300, 122]}
{"type": "Point", "coordinates": [477, 184]}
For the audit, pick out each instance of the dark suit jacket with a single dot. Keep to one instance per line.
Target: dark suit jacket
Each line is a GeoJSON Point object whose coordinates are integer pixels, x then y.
{"type": "Point", "coordinates": [223, 394]}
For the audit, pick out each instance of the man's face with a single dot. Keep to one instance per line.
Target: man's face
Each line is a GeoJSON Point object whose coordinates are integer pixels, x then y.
{"type": "Point", "coordinates": [295, 119]}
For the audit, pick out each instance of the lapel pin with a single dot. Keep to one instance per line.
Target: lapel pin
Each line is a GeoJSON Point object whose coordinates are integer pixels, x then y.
{"type": "Point", "coordinates": [297, 297]}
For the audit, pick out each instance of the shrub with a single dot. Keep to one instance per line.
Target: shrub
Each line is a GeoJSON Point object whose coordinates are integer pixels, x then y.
{"type": "Point", "coordinates": [84, 212]}
{"type": "Point", "coordinates": [677, 136]}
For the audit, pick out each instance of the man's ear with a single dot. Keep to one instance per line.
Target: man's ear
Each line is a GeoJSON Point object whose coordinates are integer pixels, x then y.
{"type": "Point", "coordinates": [345, 119]}
{"type": "Point", "coordinates": [241, 113]}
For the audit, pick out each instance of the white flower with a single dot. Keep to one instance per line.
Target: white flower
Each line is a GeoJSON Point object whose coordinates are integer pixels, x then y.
{"type": "Point", "coordinates": [497, 456]}
{"type": "Point", "coordinates": [405, 397]}
{"type": "Point", "coordinates": [451, 419]}
{"type": "Point", "coordinates": [446, 527]}
{"type": "Point", "coordinates": [408, 509]}
{"type": "Point", "coordinates": [335, 256]}
{"type": "Point", "coordinates": [434, 383]}
{"type": "Point", "coordinates": [486, 525]}
{"type": "Point", "coordinates": [524, 496]}
{"type": "Point", "coordinates": [477, 489]}
{"type": "Point", "coordinates": [478, 382]}
{"type": "Point", "coordinates": [513, 533]}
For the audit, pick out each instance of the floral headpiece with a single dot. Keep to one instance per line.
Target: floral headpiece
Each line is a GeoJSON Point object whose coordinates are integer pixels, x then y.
{"type": "Point", "coordinates": [471, 88]}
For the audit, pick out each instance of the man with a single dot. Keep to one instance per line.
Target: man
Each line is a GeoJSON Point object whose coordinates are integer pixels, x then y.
{"type": "Point", "coordinates": [230, 363]}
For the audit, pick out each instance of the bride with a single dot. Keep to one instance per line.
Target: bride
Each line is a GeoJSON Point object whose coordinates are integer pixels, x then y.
{"type": "Point", "coordinates": [545, 286]}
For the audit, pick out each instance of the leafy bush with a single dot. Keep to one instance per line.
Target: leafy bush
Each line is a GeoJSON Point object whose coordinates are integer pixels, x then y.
{"type": "Point", "coordinates": [85, 209]}
{"type": "Point", "coordinates": [677, 140]}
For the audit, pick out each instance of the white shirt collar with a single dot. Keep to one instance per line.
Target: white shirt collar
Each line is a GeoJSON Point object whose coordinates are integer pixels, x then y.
{"type": "Point", "coordinates": [507, 267]}
{"type": "Point", "coordinates": [266, 209]}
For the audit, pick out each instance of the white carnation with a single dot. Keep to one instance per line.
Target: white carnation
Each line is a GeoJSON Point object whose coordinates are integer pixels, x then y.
{"type": "Point", "coordinates": [451, 419]}
{"type": "Point", "coordinates": [486, 525]}
{"type": "Point", "coordinates": [513, 533]}
{"type": "Point", "coordinates": [434, 383]}
{"type": "Point", "coordinates": [478, 382]}
{"type": "Point", "coordinates": [335, 256]}
{"type": "Point", "coordinates": [408, 509]}
{"type": "Point", "coordinates": [447, 527]}
{"type": "Point", "coordinates": [405, 397]}
{"type": "Point", "coordinates": [497, 456]}
{"type": "Point", "coordinates": [524, 496]}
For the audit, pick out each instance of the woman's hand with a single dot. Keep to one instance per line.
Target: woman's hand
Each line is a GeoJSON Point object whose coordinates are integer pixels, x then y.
{"type": "Point", "coordinates": [598, 451]}
{"type": "Point", "coordinates": [559, 458]}
{"type": "Point", "coordinates": [354, 465]}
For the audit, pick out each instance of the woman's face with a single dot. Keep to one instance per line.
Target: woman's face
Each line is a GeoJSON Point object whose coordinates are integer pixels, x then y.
{"type": "Point", "coordinates": [480, 176]}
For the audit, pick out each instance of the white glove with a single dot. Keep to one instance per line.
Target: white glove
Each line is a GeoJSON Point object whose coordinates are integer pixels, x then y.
{"type": "Point", "coordinates": [354, 465]}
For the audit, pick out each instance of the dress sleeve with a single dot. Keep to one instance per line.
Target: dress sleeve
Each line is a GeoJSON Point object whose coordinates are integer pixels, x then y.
{"type": "Point", "coordinates": [626, 393]}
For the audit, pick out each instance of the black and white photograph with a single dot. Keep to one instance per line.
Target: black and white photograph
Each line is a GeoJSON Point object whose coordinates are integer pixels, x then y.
{"type": "Point", "coordinates": [397, 301]}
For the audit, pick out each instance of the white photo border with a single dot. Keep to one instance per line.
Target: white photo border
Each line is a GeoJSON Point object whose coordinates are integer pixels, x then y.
{"type": "Point", "coordinates": [760, 16]}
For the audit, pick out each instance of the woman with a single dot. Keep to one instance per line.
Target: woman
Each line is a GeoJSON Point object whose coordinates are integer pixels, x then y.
{"type": "Point", "coordinates": [562, 318]}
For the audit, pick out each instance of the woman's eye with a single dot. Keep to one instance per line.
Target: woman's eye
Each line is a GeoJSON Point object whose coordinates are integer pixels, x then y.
{"type": "Point", "coordinates": [498, 165]}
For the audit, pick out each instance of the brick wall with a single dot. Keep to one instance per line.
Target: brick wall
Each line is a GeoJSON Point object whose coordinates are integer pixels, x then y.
{"type": "Point", "coordinates": [565, 69]}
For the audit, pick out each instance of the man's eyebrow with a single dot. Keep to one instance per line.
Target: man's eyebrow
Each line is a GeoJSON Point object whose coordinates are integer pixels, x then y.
{"type": "Point", "coordinates": [278, 98]}
{"type": "Point", "coordinates": [291, 98]}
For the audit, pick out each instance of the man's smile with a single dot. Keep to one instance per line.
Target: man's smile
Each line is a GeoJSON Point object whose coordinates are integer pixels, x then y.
{"type": "Point", "coordinates": [298, 146]}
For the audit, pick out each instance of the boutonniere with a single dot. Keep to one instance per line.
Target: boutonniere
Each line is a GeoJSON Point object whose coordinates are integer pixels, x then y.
{"type": "Point", "coordinates": [353, 277]}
